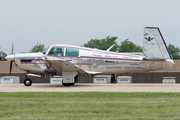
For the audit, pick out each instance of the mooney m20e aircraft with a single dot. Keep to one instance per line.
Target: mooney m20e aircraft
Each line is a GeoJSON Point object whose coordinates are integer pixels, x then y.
{"type": "Point", "coordinates": [72, 61]}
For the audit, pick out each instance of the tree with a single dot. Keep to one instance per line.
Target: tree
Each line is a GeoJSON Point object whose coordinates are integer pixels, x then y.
{"type": "Point", "coordinates": [103, 44]}
{"type": "Point", "coordinates": [37, 48]}
{"type": "Point", "coordinates": [174, 51]}
{"type": "Point", "coordinates": [2, 55]}
{"type": "Point", "coordinates": [1, 50]}
{"type": "Point", "coordinates": [129, 46]}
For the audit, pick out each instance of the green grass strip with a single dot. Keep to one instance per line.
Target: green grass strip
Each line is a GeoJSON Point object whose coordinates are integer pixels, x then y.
{"type": "Point", "coordinates": [89, 105]}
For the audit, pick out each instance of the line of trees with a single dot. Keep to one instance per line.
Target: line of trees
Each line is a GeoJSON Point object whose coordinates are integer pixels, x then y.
{"type": "Point", "coordinates": [175, 51]}
{"type": "Point", "coordinates": [37, 48]}
{"type": "Point", "coordinates": [125, 46]}
{"type": "Point", "coordinates": [104, 44]}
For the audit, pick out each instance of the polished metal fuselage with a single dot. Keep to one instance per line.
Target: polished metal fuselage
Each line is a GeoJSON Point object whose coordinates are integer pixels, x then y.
{"type": "Point", "coordinates": [104, 62]}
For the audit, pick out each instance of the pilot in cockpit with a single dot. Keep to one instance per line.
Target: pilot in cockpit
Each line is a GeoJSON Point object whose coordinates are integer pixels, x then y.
{"type": "Point", "coordinates": [59, 52]}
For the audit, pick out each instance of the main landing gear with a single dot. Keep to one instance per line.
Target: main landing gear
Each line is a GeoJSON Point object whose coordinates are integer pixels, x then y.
{"type": "Point", "coordinates": [27, 82]}
{"type": "Point", "coordinates": [70, 84]}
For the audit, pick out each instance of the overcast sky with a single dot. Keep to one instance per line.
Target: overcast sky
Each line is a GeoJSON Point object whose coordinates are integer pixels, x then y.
{"type": "Point", "coordinates": [75, 22]}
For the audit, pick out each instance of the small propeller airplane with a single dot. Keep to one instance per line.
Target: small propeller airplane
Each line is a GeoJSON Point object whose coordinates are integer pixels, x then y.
{"type": "Point", "coordinates": [71, 61]}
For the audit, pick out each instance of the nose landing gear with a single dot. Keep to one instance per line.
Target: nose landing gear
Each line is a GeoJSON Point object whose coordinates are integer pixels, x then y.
{"type": "Point", "coordinates": [27, 82]}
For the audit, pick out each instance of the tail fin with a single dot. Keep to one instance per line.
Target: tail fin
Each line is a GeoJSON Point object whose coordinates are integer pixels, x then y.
{"type": "Point", "coordinates": [154, 44]}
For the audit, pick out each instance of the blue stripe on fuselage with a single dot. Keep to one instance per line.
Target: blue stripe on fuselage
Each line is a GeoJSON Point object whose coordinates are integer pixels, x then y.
{"type": "Point", "coordinates": [30, 60]}
{"type": "Point", "coordinates": [26, 60]}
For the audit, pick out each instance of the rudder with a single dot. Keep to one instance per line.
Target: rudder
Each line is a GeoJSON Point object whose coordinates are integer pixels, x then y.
{"type": "Point", "coordinates": [154, 45]}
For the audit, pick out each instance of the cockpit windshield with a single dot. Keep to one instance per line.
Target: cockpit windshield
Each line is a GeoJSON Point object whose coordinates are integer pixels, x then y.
{"type": "Point", "coordinates": [56, 51]}
{"type": "Point", "coordinates": [45, 51]}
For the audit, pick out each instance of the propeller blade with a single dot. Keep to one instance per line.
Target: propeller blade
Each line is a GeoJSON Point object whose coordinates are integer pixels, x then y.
{"type": "Point", "coordinates": [10, 67]}
{"type": "Point", "coordinates": [10, 57]}
{"type": "Point", "coordinates": [12, 51]}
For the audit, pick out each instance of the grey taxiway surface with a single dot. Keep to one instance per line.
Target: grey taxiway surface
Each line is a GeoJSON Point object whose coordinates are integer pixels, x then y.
{"type": "Point", "coordinates": [82, 87]}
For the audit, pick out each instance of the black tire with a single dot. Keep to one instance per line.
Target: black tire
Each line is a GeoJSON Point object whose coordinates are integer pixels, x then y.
{"type": "Point", "coordinates": [67, 84]}
{"type": "Point", "coordinates": [113, 78]}
{"type": "Point", "coordinates": [72, 84]}
{"type": "Point", "coordinates": [27, 82]}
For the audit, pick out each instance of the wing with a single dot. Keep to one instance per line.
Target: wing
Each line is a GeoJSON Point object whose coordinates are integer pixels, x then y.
{"type": "Point", "coordinates": [60, 65]}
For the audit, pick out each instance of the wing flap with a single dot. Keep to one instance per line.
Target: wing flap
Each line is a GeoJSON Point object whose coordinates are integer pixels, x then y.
{"type": "Point", "coordinates": [92, 72]}
{"type": "Point", "coordinates": [65, 66]}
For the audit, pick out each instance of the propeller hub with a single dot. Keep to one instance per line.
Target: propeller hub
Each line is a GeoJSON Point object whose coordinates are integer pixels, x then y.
{"type": "Point", "coordinates": [27, 82]}
{"type": "Point", "coordinates": [10, 57]}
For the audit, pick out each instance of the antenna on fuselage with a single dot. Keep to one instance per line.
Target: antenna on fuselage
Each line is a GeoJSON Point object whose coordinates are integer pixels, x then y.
{"type": "Point", "coordinates": [110, 48]}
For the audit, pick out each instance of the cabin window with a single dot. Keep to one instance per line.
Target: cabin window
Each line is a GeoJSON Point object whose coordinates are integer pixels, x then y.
{"type": "Point", "coordinates": [45, 51]}
{"type": "Point", "coordinates": [72, 52]}
{"type": "Point", "coordinates": [56, 51]}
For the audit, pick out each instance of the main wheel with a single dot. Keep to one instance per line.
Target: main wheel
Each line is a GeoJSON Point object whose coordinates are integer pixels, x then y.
{"type": "Point", "coordinates": [67, 84]}
{"type": "Point", "coordinates": [72, 84]}
{"type": "Point", "coordinates": [27, 82]}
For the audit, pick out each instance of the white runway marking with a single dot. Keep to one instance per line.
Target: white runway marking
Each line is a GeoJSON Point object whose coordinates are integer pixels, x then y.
{"type": "Point", "coordinates": [89, 87]}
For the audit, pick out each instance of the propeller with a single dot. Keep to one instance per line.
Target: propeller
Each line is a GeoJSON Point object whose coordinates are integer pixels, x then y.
{"type": "Point", "coordinates": [10, 66]}
{"type": "Point", "coordinates": [11, 58]}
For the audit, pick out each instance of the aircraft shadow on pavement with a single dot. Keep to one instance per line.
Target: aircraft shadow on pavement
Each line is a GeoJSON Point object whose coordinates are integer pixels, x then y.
{"type": "Point", "coordinates": [61, 86]}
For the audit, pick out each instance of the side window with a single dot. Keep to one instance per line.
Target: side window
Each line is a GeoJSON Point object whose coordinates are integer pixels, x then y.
{"type": "Point", "coordinates": [72, 52]}
{"type": "Point", "coordinates": [44, 52]}
{"type": "Point", "coordinates": [56, 51]}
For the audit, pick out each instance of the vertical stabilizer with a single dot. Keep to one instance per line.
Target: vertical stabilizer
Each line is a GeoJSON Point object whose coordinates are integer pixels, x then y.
{"type": "Point", "coordinates": [154, 44]}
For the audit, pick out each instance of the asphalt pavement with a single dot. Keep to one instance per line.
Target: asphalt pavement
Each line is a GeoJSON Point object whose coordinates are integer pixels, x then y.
{"type": "Point", "coordinates": [90, 87]}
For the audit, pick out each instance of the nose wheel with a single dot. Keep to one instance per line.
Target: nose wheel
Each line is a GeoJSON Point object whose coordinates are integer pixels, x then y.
{"type": "Point", "coordinates": [27, 82]}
